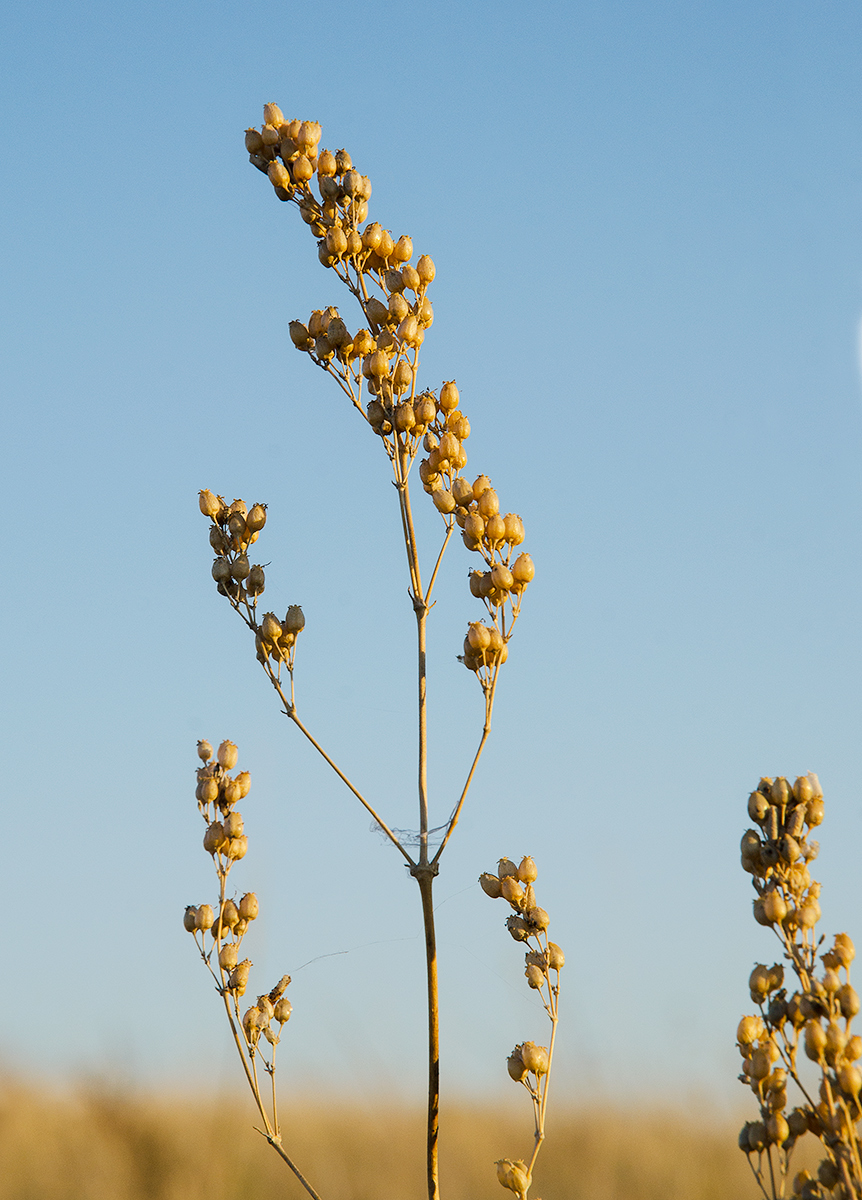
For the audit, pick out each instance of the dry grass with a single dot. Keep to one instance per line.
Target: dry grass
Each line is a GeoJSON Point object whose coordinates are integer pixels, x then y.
{"type": "Point", "coordinates": [94, 1145]}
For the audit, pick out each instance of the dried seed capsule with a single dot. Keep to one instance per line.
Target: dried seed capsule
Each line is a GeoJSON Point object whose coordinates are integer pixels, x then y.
{"type": "Point", "coordinates": [515, 1065]}
{"type": "Point", "coordinates": [479, 637]}
{"type": "Point", "coordinates": [538, 917]}
{"type": "Point", "coordinates": [204, 917]}
{"type": "Point", "coordinates": [556, 958]}
{"type": "Point", "coordinates": [750, 1030]}
{"type": "Point", "coordinates": [535, 977]}
{"type": "Point", "coordinates": [511, 890]}
{"type": "Point", "coordinates": [282, 1010]}
{"type": "Point", "coordinates": [228, 956]}
{"type": "Point", "coordinates": [402, 379]}
{"type": "Point", "coordinates": [237, 848]}
{"type": "Point", "coordinates": [227, 755]}
{"type": "Point", "coordinates": [758, 983]}
{"type": "Point", "coordinates": [535, 1058]}
{"type": "Point", "coordinates": [777, 1129]}
{"type": "Point", "coordinates": [256, 581]}
{"type": "Point", "coordinates": [294, 621]}
{"type": "Point", "coordinates": [190, 918]}
{"type": "Point", "coordinates": [490, 885]}
{"type": "Point", "coordinates": [249, 907]}
{"type": "Point", "coordinates": [384, 250]}
{"type": "Point", "coordinates": [205, 751]}
{"type": "Point", "coordinates": [214, 838]}
{"type": "Point", "coordinates": [425, 269]}
{"type": "Point", "coordinates": [443, 501]}
{"type": "Point", "coordinates": [844, 950]}
{"type": "Point", "coordinates": [425, 313]}
{"type": "Point", "coordinates": [815, 1040]}
{"type": "Point", "coordinates": [501, 577]}
{"type": "Point", "coordinates": [272, 115]}
{"type": "Point", "coordinates": [505, 867]}
{"type": "Point", "coordinates": [238, 980]}
{"type": "Point", "coordinates": [517, 926]}
{"type": "Point", "coordinates": [403, 249]}
{"type": "Point", "coordinates": [221, 570]}
{"type": "Point", "coordinates": [788, 849]}
{"type": "Point", "coordinates": [814, 811]}
{"type": "Point", "coordinates": [758, 806]}
{"type": "Point", "coordinates": [231, 792]}
{"type": "Point", "coordinates": [210, 505]}
{"type": "Point", "coordinates": [523, 569]}
{"type": "Point", "coordinates": [449, 397]}
{"type": "Point", "coordinates": [233, 824]}
{"type": "Point", "coordinates": [474, 526]}
{"type": "Point", "coordinates": [409, 278]}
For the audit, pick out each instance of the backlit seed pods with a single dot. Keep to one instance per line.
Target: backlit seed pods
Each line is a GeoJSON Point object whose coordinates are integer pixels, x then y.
{"type": "Point", "coordinates": [227, 755]}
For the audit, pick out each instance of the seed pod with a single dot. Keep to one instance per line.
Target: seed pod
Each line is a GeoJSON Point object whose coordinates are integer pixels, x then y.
{"type": "Point", "coordinates": [210, 505]}
{"type": "Point", "coordinates": [238, 979]}
{"type": "Point", "coordinates": [294, 621]}
{"type": "Point", "coordinates": [777, 1129]}
{"type": "Point", "coordinates": [505, 867]}
{"type": "Point", "coordinates": [449, 397]}
{"type": "Point", "coordinates": [515, 1065]}
{"type": "Point", "coordinates": [237, 848]}
{"type": "Point", "coordinates": [403, 418]}
{"type": "Point", "coordinates": [523, 569]}
{"type": "Point", "coordinates": [490, 885]}
{"type": "Point", "coordinates": [758, 983]}
{"type": "Point", "coordinates": [249, 907]}
{"type": "Point", "coordinates": [556, 958]}
{"type": "Point", "coordinates": [489, 505]}
{"type": "Point", "coordinates": [403, 249]}
{"type": "Point", "coordinates": [517, 926]}
{"type": "Point", "coordinates": [750, 1030]}
{"type": "Point", "coordinates": [788, 849]}
{"type": "Point", "coordinates": [240, 927]}
{"type": "Point", "coordinates": [511, 890]}
{"type": "Point", "coordinates": [814, 811]}
{"type": "Point", "coordinates": [221, 570]}
{"type": "Point", "coordinates": [209, 790]}
{"type": "Point", "coordinates": [538, 917]}
{"type": "Point", "coordinates": [535, 1058]}
{"type": "Point", "coordinates": [815, 1040]}
{"type": "Point", "coordinates": [402, 379]}
{"type": "Point", "coordinates": [808, 914]}
{"type": "Point", "coordinates": [283, 1009]}
{"type": "Point", "coordinates": [425, 269]}
{"type": "Point", "coordinates": [227, 755]}
{"type": "Point", "coordinates": [190, 918]}
{"type": "Point", "coordinates": [758, 806]}
{"type": "Point", "coordinates": [848, 1001]}
{"type": "Point", "coordinates": [214, 838]}
{"type": "Point", "coordinates": [844, 950]}
{"type": "Point", "coordinates": [474, 526]}
{"type": "Point", "coordinates": [205, 751]}
{"type": "Point", "coordinates": [478, 637]}
{"type": "Point", "coordinates": [233, 824]}
{"type": "Point", "coordinates": [256, 581]}
{"type": "Point", "coordinates": [501, 577]}
{"type": "Point", "coordinates": [535, 977]}
{"type": "Point", "coordinates": [231, 792]}
{"type": "Point", "coordinates": [443, 501]}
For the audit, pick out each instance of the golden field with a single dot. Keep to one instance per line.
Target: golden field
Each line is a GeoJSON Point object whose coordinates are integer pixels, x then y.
{"type": "Point", "coordinates": [92, 1144]}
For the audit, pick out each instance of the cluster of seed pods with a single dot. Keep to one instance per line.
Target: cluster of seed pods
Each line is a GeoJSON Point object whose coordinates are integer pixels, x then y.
{"type": "Point", "coordinates": [217, 794]}
{"type": "Point", "coordinates": [815, 1016]}
{"type": "Point", "coordinates": [529, 1064]}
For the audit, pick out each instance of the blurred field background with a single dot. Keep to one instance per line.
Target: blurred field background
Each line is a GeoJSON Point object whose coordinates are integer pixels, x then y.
{"type": "Point", "coordinates": [94, 1143]}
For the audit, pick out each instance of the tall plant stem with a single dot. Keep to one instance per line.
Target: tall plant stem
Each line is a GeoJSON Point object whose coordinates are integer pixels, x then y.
{"type": "Point", "coordinates": [424, 874]}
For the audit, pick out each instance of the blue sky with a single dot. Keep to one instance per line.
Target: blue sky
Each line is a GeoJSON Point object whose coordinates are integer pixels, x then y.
{"type": "Point", "coordinates": [645, 221]}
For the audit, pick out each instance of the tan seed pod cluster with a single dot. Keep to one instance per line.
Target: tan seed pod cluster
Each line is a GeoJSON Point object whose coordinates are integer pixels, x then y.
{"type": "Point", "coordinates": [814, 1017]}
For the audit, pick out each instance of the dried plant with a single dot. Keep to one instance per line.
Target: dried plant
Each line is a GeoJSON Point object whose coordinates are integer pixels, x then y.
{"type": "Point", "coordinates": [382, 355]}
{"type": "Point", "coordinates": [816, 1016]}
{"type": "Point", "coordinates": [529, 1064]}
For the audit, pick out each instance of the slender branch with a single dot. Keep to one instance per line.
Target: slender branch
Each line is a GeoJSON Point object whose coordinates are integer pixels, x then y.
{"type": "Point", "coordinates": [486, 729]}
{"type": "Point", "coordinates": [290, 711]}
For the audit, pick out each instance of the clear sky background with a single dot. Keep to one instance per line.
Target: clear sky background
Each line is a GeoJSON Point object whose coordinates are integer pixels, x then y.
{"type": "Point", "coordinates": [646, 225]}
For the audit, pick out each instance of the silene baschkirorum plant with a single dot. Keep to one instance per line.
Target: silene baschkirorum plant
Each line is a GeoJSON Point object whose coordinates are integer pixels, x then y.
{"type": "Point", "coordinates": [380, 357]}
{"type": "Point", "coordinates": [802, 1033]}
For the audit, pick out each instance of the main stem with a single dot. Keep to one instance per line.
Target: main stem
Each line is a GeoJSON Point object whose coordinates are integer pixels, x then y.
{"type": "Point", "coordinates": [424, 871]}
